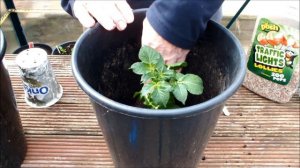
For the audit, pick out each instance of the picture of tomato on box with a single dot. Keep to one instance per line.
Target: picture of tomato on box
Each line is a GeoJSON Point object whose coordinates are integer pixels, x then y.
{"type": "Point", "coordinates": [277, 39]}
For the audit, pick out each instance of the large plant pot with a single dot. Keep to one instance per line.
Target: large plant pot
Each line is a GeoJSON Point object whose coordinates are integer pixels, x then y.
{"type": "Point", "coordinates": [12, 140]}
{"type": "Point", "coordinates": [140, 137]}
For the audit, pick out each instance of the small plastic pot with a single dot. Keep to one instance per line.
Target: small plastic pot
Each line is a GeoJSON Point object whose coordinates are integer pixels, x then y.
{"type": "Point", "coordinates": [46, 47]}
{"type": "Point", "coordinates": [12, 140]}
{"type": "Point", "coordinates": [139, 137]}
{"type": "Point", "coordinates": [69, 45]}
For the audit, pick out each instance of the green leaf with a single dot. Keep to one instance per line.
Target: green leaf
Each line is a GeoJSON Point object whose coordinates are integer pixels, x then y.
{"type": "Point", "coordinates": [178, 65]}
{"type": "Point", "coordinates": [139, 68]}
{"type": "Point", "coordinates": [180, 92]}
{"type": "Point", "coordinates": [148, 55]}
{"type": "Point", "coordinates": [179, 76]}
{"type": "Point", "coordinates": [164, 75]}
{"type": "Point", "coordinates": [148, 88]}
{"type": "Point", "coordinates": [193, 83]}
{"type": "Point", "coordinates": [160, 65]}
{"type": "Point", "coordinates": [161, 93]}
{"type": "Point", "coordinates": [167, 74]}
{"type": "Point", "coordinates": [165, 86]}
{"type": "Point", "coordinates": [145, 77]}
{"type": "Point", "coordinates": [160, 97]}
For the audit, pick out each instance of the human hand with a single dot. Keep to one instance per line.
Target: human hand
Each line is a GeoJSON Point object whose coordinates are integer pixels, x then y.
{"type": "Point", "coordinates": [110, 14]}
{"type": "Point", "coordinates": [171, 53]}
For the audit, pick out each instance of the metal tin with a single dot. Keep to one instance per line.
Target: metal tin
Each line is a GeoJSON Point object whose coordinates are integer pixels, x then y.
{"type": "Point", "coordinates": [40, 85]}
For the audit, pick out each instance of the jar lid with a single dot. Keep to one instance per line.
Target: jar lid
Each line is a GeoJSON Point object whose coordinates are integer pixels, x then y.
{"type": "Point", "coordinates": [31, 58]}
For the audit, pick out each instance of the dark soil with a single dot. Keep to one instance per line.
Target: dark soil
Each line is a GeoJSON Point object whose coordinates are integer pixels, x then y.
{"type": "Point", "coordinates": [119, 83]}
{"type": "Point", "coordinates": [204, 61]}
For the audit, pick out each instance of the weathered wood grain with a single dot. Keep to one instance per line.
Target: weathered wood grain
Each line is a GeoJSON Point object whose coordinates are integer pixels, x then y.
{"type": "Point", "coordinates": [258, 133]}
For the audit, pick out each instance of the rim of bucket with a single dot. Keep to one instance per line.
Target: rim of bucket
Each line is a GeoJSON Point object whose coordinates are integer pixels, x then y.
{"type": "Point", "coordinates": [161, 113]}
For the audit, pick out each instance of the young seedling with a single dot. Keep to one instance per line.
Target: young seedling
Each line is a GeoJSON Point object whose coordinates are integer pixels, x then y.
{"type": "Point", "coordinates": [162, 84]}
{"type": "Point", "coordinates": [61, 50]}
{"type": "Point", "coordinates": [65, 50]}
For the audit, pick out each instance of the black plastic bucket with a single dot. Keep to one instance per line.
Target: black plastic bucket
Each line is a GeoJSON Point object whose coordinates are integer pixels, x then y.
{"type": "Point", "coordinates": [12, 139]}
{"type": "Point", "coordinates": [140, 137]}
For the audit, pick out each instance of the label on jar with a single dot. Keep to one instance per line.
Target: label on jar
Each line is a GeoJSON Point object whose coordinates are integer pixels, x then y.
{"type": "Point", "coordinates": [33, 91]}
{"type": "Point", "coordinates": [275, 51]}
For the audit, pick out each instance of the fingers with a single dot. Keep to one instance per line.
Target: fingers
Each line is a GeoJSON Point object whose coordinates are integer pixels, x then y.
{"type": "Point", "coordinates": [125, 10]}
{"type": "Point", "coordinates": [101, 14]}
{"type": "Point", "coordinates": [182, 56]}
{"type": "Point", "coordinates": [121, 14]}
{"type": "Point", "coordinates": [110, 14]}
{"type": "Point", "coordinates": [83, 15]}
{"type": "Point", "coordinates": [173, 58]}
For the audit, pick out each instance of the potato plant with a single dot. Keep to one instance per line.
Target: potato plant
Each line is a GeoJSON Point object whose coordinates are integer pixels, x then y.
{"type": "Point", "coordinates": [162, 83]}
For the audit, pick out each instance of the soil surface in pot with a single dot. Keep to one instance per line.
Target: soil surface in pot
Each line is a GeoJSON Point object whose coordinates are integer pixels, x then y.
{"type": "Point", "coordinates": [119, 83]}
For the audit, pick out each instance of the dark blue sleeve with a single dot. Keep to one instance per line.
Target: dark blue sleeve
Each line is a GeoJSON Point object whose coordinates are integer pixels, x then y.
{"type": "Point", "coordinates": [67, 5]}
{"type": "Point", "coordinates": [182, 22]}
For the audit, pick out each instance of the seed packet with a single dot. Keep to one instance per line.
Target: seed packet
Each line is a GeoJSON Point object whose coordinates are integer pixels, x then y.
{"type": "Point", "coordinates": [273, 63]}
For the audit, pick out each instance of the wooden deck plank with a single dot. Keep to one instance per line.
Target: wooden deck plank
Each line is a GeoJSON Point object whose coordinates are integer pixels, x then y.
{"type": "Point", "coordinates": [258, 133]}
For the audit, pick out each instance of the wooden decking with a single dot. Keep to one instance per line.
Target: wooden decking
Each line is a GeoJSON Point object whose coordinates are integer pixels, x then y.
{"type": "Point", "coordinates": [258, 133]}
